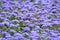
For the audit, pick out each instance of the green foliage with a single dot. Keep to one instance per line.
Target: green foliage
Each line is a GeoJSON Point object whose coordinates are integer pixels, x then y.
{"type": "Point", "coordinates": [46, 38]}
{"type": "Point", "coordinates": [16, 29]}
{"type": "Point", "coordinates": [1, 27]}
{"type": "Point", "coordinates": [50, 28]}
{"type": "Point", "coordinates": [12, 18]}
{"type": "Point", "coordinates": [39, 32]}
{"type": "Point", "coordinates": [40, 25]}
{"type": "Point", "coordinates": [31, 0]}
{"type": "Point", "coordinates": [11, 33]}
{"type": "Point", "coordinates": [1, 3]}
{"type": "Point", "coordinates": [4, 28]}
{"type": "Point", "coordinates": [23, 0]}
{"type": "Point", "coordinates": [1, 20]}
{"type": "Point", "coordinates": [18, 18]}
{"type": "Point", "coordinates": [21, 25]}
{"type": "Point", "coordinates": [26, 36]}
{"type": "Point", "coordinates": [1, 35]}
{"type": "Point", "coordinates": [54, 27]}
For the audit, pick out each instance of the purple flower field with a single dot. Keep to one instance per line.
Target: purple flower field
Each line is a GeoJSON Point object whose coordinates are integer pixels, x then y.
{"type": "Point", "coordinates": [29, 19]}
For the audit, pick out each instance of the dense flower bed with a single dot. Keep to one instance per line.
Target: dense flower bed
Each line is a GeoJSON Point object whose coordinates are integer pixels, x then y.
{"type": "Point", "coordinates": [29, 19]}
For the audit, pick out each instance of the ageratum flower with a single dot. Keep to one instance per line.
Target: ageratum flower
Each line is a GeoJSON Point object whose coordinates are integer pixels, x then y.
{"type": "Point", "coordinates": [1, 24]}
{"type": "Point", "coordinates": [58, 7]}
{"type": "Point", "coordinates": [34, 35]}
{"type": "Point", "coordinates": [18, 35]}
{"type": "Point", "coordinates": [30, 19]}
{"type": "Point", "coordinates": [47, 2]}
{"type": "Point", "coordinates": [11, 30]}
{"type": "Point", "coordinates": [26, 29]}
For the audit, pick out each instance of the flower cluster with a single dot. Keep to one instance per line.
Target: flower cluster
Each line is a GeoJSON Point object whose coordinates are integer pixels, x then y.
{"type": "Point", "coordinates": [29, 20]}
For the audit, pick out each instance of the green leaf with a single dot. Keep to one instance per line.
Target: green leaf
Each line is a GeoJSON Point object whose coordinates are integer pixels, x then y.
{"type": "Point", "coordinates": [40, 25]}
{"type": "Point", "coordinates": [26, 36]}
{"type": "Point", "coordinates": [31, 0]}
{"type": "Point", "coordinates": [51, 28]}
{"type": "Point", "coordinates": [1, 3]}
{"type": "Point", "coordinates": [23, 0]}
{"type": "Point", "coordinates": [1, 20]}
{"type": "Point", "coordinates": [4, 28]}
{"type": "Point", "coordinates": [21, 25]}
{"type": "Point", "coordinates": [31, 28]}
{"type": "Point", "coordinates": [1, 27]}
{"type": "Point", "coordinates": [12, 18]}
{"type": "Point", "coordinates": [45, 38]}
{"type": "Point", "coordinates": [16, 29]}
{"type": "Point", "coordinates": [18, 18]}
{"type": "Point", "coordinates": [11, 33]}
{"type": "Point", "coordinates": [39, 32]}
{"type": "Point", "coordinates": [1, 35]}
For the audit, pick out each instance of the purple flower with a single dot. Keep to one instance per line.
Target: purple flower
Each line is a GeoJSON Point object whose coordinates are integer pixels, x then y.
{"type": "Point", "coordinates": [1, 24]}
{"type": "Point", "coordinates": [11, 30]}
{"type": "Point", "coordinates": [34, 35]}
{"type": "Point", "coordinates": [18, 35]}
{"type": "Point", "coordinates": [7, 5]}
{"type": "Point", "coordinates": [34, 17]}
{"type": "Point", "coordinates": [26, 29]}
{"type": "Point", "coordinates": [3, 38]}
